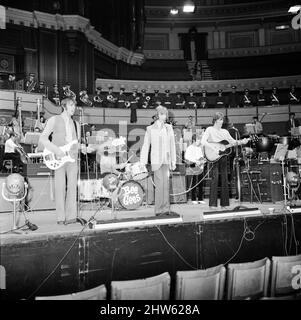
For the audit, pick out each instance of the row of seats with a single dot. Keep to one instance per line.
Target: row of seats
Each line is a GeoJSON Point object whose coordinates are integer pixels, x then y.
{"type": "Point", "coordinates": [263, 279]}
{"type": "Point", "coordinates": [273, 65]}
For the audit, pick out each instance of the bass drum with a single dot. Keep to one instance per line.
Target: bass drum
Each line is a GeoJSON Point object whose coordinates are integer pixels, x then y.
{"type": "Point", "coordinates": [130, 195]}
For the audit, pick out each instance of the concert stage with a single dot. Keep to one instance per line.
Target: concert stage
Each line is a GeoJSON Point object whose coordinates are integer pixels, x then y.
{"type": "Point", "coordinates": [58, 259]}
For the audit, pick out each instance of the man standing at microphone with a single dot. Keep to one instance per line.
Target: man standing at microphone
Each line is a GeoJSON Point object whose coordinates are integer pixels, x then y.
{"type": "Point", "coordinates": [160, 137]}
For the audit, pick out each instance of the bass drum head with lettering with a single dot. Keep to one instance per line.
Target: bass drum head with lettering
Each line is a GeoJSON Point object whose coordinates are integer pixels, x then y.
{"type": "Point", "coordinates": [131, 195]}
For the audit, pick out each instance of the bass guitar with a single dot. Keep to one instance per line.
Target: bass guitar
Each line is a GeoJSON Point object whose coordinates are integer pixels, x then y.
{"type": "Point", "coordinates": [217, 150]}
{"type": "Point", "coordinates": [53, 162]}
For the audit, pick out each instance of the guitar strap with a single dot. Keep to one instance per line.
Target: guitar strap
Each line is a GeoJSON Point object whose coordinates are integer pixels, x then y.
{"type": "Point", "coordinates": [75, 125]}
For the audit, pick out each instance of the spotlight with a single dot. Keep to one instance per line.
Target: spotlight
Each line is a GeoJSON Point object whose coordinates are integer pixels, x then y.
{"type": "Point", "coordinates": [294, 9]}
{"type": "Point", "coordinates": [282, 27]}
{"type": "Point", "coordinates": [174, 11]}
{"type": "Point", "coordinates": [189, 7]}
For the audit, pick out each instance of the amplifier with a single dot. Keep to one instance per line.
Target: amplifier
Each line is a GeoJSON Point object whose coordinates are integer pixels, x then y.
{"type": "Point", "coordinates": [266, 180]}
{"type": "Point", "coordinates": [37, 169]}
{"type": "Point", "coordinates": [178, 188]}
{"type": "Point", "coordinates": [244, 212]}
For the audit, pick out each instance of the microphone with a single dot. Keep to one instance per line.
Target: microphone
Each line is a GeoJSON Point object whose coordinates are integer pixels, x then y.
{"type": "Point", "coordinates": [232, 127]}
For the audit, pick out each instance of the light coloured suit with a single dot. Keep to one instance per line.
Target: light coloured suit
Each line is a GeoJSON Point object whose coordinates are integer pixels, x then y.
{"type": "Point", "coordinates": [161, 141]}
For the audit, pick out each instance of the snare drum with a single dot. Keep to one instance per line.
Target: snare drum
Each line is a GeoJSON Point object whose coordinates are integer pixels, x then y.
{"type": "Point", "coordinates": [130, 195]}
{"type": "Point", "coordinates": [138, 171]}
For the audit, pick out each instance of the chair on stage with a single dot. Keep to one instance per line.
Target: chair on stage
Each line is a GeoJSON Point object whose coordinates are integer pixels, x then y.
{"type": "Point", "coordinates": [248, 280]}
{"type": "Point", "coordinates": [284, 269]}
{"type": "Point", "coordinates": [205, 284]}
{"type": "Point", "coordinates": [153, 288]}
{"type": "Point", "coordinates": [8, 165]}
{"type": "Point", "coordinates": [98, 293]}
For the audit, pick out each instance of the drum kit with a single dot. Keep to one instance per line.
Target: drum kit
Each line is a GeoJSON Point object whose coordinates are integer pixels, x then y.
{"type": "Point", "coordinates": [123, 191]}
{"type": "Point", "coordinates": [267, 144]}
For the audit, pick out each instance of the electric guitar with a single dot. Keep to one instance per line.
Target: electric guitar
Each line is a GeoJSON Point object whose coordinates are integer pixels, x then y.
{"type": "Point", "coordinates": [220, 149]}
{"type": "Point", "coordinates": [53, 162]}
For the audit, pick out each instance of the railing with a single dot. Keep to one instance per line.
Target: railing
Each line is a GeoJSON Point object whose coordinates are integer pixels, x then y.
{"type": "Point", "coordinates": [209, 85]}
{"type": "Point", "coordinates": [254, 51]}
{"type": "Point", "coordinates": [164, 54]}
{"type": "Point", "coordinates": [103, 116]}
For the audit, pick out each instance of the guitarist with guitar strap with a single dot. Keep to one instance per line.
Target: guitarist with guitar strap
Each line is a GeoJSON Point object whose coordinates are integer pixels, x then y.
{"type": "Point", "coordinates": [65, 132]}
{"type": "Point", "coordinates": [216, 141]}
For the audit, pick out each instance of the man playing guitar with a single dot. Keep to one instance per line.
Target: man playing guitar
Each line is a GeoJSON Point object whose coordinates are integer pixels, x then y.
{"type": "Point", "coordinates": [64, 131]}
{"type": "Point", "coordinates": [213, 141]}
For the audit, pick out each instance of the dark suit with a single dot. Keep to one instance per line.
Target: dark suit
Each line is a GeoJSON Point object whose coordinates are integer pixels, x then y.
{"type": "Point", "coordinates": [291, 124]}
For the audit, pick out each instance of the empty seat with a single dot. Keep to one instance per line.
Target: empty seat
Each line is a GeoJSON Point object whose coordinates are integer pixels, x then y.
{"type": "Point", "coordinates": [205, 284]}
{"type": "Point", "coordinates": [154, 288]}
{"type": "Point", "coordinates": [248, 280]}
{"type": "Point", "coordinates": [284, 271]}
{"type": "Point", "coordinates": [98, 293]}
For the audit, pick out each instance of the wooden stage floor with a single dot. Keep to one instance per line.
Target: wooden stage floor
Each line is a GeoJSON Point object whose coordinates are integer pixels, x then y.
{"type": "Point", "coordinates": [47, 226]}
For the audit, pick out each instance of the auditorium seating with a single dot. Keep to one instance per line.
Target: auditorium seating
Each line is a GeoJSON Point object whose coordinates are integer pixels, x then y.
{"type": "Point", "coordinates": [154, 288]}
{"type": "Point", "coordinates": [160, 70]}
{"type": "Point", "coordinates": [248, 280]}
{"type": "Point", "coordinates": [98, 293]}
{"type": "Point", "coordinates": [255, 67]}
{"type": "Point", "coordinates": [282, 275]}
{"type": "Point", "coordinates": [206, 284]}
{"type": "Point", "coordinates": [290, 297]}
{"type": "Point", "coordinates": [260, 279]}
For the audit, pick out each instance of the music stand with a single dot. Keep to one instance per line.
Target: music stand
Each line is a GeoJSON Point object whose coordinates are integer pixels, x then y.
{"type": "Point", "coordinates": [32, 138]}
{"type": "Point", "coordinates": [280, 154]}
{"type": "Point", "coordinates": [250, 128]}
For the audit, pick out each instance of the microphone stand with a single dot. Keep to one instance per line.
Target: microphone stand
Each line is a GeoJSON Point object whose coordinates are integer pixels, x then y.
{"type": "Point", "coordinates": [79, 218]}
{"type": "Point", "coordinates": [237, 169]}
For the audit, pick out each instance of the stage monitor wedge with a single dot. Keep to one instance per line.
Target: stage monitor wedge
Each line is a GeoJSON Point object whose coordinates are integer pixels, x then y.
{"type": "Point", "coordinates": [294, 209]}
{"type": "Point", "coordinates": [226, 214]}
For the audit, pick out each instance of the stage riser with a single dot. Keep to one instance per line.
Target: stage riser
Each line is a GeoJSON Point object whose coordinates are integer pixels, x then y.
{"type": "Point", "coordinates": [101, 257]}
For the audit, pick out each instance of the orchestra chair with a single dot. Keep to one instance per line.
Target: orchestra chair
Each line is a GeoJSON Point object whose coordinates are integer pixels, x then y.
{"type": "Point", "coordinates": [153, 288]}
{"type": "Point", "coordinates": [8, 165]}
{"type": "Point", "coordinates": [282, 275]}
{"type": "Point", "coordinates": [208, 284]}
{"type": "Point", "coordinates": [290, 297]}
{"type": "Point", "coordinates": [98, 293]}
{"type": "Point", "coordinates": [248, 281]}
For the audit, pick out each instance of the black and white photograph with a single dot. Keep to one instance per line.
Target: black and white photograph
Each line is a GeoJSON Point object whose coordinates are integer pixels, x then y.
{"type": "Point", "coordinates": [150, 150]}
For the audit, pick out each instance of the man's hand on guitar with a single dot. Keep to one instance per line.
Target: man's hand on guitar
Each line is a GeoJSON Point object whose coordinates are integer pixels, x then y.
{"type": "Point", "coordinates": [244, 141]}
{"type": "Point", "coordinates": [59, 154]}
{"type": "Point", "coordinates": [173, 166]}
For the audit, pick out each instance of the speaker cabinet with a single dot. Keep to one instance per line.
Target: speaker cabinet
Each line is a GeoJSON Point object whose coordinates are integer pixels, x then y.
{"type": "Point", "coordinates": [41, 193]}
{"type": "Point", "coordinates": [177, 188]}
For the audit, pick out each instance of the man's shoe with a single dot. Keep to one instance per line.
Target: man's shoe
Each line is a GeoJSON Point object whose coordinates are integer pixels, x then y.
{"type": "Point", "coordinates": [212, 208]}
{"type": "Point", "coordinates": [224, 208]}
{"type": "Point", "coordinates": [202, 202]}
{"type": "Point", "coordinates": [61, 222]}
{"type": "Point", "coordinates": [194, 202]}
